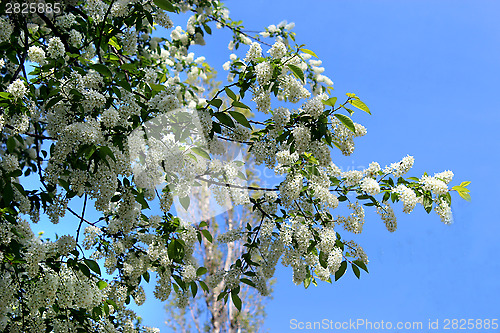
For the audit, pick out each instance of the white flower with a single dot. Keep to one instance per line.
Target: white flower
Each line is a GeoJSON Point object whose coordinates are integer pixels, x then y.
{"type": "Point", "coordinates": [263, 100]}
{"type": "Point", "coordinates": [387, 214]}
{"type": "Point", "coordinates": [120, 8]}
{"type": "Point", "coordinates": [163, 19]}
{"type": "Point", "coordinates": [302, 137]}
{"type": "Point", "coordinates": [6, 30]}
{"type": "Point", "coordinates": [352, 177]}
{"type": "Point", "coordinates": [75, 38]}
{"type": "Point", "coordinates": [328, 237]}
{"type": "Point", "coordinates": [444, 211]}
{"type": "Point", "coordinates": [278, 50]}
{"type": "Point", "coordinates": [324, 79]}
{"type": "Point", "coordinates": [189, 273]}
{"type": "Point", "coordinates": [10, 163]}
{"type": "Point", "coordinates": [370, 186]}
{"type": "Point", "coordinates": [55, 48]}
{"type": "Point", "coordinates": [230, 236]}
{"type": "Point", "coordinates": [402, 167]}
{"type": "Point", "coordinates": [334, 260]}
{"type": "Point", "coordinates": [36, 54]}
{"type": "Point", "coordinates": [110, 117]}
{"type": "Point", "coordinates": [17, 89]}
{"type": "Point", "coordinates": [264, 72]}
{"type": "Point", "coordinates": [66, 244]}
{"type": "Point", "coordinates": [445, 176]}
{"type": "Point", "coordinates": [372, 170]}
{"type": "Point", "coordinates": [293, 90]}
{"type": "Point", "coordinates": [408, 197]}
{"type": "Point", "coordinates": [435, 185]}
{"type": "Point", "coordinates": [66, 21]}
{"type": "Point", "coordinates": [254, 52]}
{"type": "Point", "coordinates": [314, 106]}
{"type": "Point", "coordinates": [281, 116]}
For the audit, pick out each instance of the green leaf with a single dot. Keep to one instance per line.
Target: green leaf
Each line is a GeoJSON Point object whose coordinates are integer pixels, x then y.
{"type": "Point", "coordinates": [128, 67]}
{"type": "Point", "coordinates": [361, 265]}
{"type": "Point", "coordinates": [204, 286]}
{"type": "Point", "coordinates": [165, 4]}
{"type": "Point", "coordinates": [330, 102]}
{"type": "Point", "coordinates": [5, 95]}
{"type": "Point", "coordinates": [157, 87]}
{"type": "Point", "coordinates": [465, 184]}
{"type": "Point", "coordinates": [240, 105]}
{"type": "Point", "coordinates": [106, 151]}
{"type": "Point", "coordinates": [221, 295]}
{"type": "Point", "coordinates": [360, 105]}
{"type": "Point", "coordinates": [309, 52]}
{"type": "Point", "coordinates": [427, 203]}
{"type": "Point", "coordinates": [216, 102]}
{"type": "Point", "coordinates": [185, 202]}
{"type": "Point", "coordinates": [230, 94]}
{"type": "Point", "coordinates": [93, 266]}
{"type": "Point", "coordinates": [105, 307]}
{"type": "Point", "coordinates": [207, 28]}
{"type": "Point", "coordinates": [7, 194]}
{"type": "Point", "coordinates": [236, 300]}
{"type": "Point", "coordinates": [207, 235]}
{"type": "Point", "coordinates": [53, 101]}
{"type": "Point", "coordinates": [323, 259]}
{"type": "Point", "coordinates": [112, 303]}
{"type": "Point", "coordinates": [201, 271]}
{"type": "Point", "coordinates": [140, 199]}
{"type": "Point", "coordinates": [460, 189]}
{"type": "Point", "coordinates": [348, 110]}
{"type": "Point", "coordinates": [113, 42]}
{"type": "Point", "coordinates": [64, 184]}
{"type": "Point", "coordinates": [84, 269]}
{"type": "Point", "coordinates": [248, 281]}
{"type": "Point", "coordinates": [341, 270]}
{"type": "Point", "coordinates": [296, 71]}
{"type": "Point", "coordinates": [240, 117]}
{"type": "Point", "coordinates": [176, 250]}
{"type": "Point", "coordinates": [102, 69]}
{"type": "Point", "coordinates": [307, 282]}
{"type": "Point", "coordinates": [194, 288]}
{"type": "Point", "coordinates": [11, 144]}
{"type": "Point", "coordinates": [346, 121]}
{"type": "Point", "coordinates": [464, 195]}
{"type": "Point", "coordinates": [224, 119]}
{"type": "Point", "coordinates": [19, 187]}
{"type": "Point", "coordinates": [200, 152]}
{"type": "Point", "coordinates": [356, 271]}
{"type": "Point", "coordinates": [124, 84]}
{"type": "Point", "coordinates": [102, 284]}
{"type": "Point", "coordinates": [146, 276]}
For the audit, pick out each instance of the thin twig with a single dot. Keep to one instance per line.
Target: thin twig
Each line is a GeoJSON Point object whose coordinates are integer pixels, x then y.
{"type": "Point", "coordinates": [82, 218]}
{"type": "Point", "coordinates": [236, 186]}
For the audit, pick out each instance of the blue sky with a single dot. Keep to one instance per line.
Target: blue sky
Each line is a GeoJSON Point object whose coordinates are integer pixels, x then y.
{"type": "Point", "coordinates": [430, 73]}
